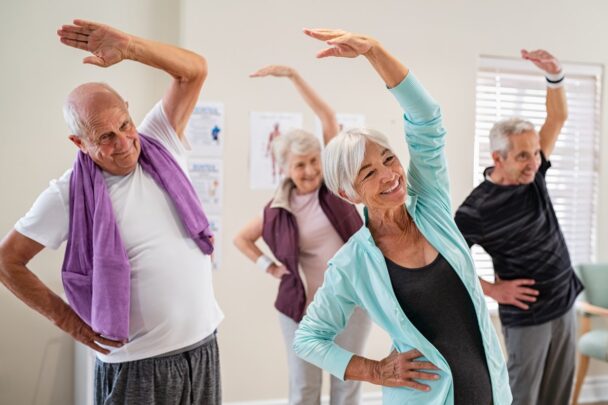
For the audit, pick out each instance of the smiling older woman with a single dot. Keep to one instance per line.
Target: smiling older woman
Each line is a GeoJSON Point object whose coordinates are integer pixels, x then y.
{"type": "Point", "coordinates": [408, 267]}
{"type": "Point", "coordinates": [304, 225]}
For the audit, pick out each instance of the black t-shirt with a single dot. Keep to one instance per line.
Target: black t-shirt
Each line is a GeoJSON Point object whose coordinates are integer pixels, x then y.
{"type": "Point", "coordinates": [436, 301]}
{"type": "Point", "coordinates": [518, 228]}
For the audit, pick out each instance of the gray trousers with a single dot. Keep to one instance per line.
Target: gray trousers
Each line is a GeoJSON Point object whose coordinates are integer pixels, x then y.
{"type": "Point", "coordinates": [541, 361]}
{"type": "Point", "coordinates": [190, 376]}
{"type": "Point", "coordinates": [305, 379]}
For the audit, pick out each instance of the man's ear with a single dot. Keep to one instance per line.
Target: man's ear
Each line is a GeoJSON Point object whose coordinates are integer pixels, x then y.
{"type": "Point", "coordinates": [497, 158]}
{"type": "Point", "coordinates": [127, 105]}
{"type": "Point", "coordinates": [76, 140]}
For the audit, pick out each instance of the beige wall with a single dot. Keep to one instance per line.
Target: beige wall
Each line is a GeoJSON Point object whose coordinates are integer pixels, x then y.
{"type": "Point", "coordinates": [37, 74]}
{"type": "Point", "coordinates": [440, 41]}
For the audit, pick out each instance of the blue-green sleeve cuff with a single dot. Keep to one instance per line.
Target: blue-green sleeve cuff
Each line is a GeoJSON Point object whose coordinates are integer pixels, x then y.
{"type": "Point", "coordinates": [416, 102]}
{"type": "Point", "coordinates": [337, 361]}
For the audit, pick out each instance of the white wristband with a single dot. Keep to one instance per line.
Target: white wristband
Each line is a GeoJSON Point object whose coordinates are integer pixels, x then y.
{"type": "Point", "coordinates": [263, 262]}
{"type": "Point", "coordinates": [555, 80]}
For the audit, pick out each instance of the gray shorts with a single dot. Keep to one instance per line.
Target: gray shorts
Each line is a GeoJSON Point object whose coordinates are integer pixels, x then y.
{"type": "Point", "coordinates": [183, 377]}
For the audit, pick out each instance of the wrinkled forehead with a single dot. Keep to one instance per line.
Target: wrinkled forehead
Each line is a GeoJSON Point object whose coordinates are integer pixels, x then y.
{"type": "Point", "coordinates": [526, 141]}
{"type": "Point", "coordinates": [374, 151]}
{"type": "Point", "coordinates": [97, 106]}
{"type": "Point", "coordinates": [313, 153]}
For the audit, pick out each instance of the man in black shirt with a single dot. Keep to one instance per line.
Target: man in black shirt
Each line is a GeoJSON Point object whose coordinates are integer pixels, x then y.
{"type": "Point", "coordinates": [511, 216]}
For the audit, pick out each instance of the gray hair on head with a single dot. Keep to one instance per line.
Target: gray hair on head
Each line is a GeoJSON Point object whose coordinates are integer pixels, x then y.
{"type": "Point", "coordinates": [502, 130]}
{"type": "Point", "coordinates": [77, 125]}
{"type": "Point", "coordinates": [297, 142]}
{"type": "Point", "coordinates": [343, 156]}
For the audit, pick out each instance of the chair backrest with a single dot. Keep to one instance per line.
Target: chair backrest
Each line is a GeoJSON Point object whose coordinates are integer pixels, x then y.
{"type": "Point", "coordinates": [595, 278]}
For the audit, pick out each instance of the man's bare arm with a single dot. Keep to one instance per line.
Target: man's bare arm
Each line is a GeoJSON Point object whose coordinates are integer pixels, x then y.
{"type": "Point", "coordinates": [110, 46]}
{"type": "Point", "coordinates": [16, 250]}
{"type": "Point", "coordinates": [556, 103]}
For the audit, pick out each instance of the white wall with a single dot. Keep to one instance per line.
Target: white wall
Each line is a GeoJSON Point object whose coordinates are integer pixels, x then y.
{"type": "Point", "coordinates": [440, 41]}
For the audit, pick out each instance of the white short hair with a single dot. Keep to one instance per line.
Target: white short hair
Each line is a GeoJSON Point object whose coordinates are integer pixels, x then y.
{"type": "Point", "coordinates": [502, 130]}
{"type": "Point", "coordinates": [297, 142]}
{"type": "Point", "coordinates": [343, 156]}
{"type": "Point", "coordinates": [76, 125]}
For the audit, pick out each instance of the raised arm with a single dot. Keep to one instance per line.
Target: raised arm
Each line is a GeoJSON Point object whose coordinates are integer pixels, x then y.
{"type": "Point", "coordinates": [556, 103]}
{"type": "Point", "coordinates": [110, 46]}
{"type": "Point", "coordinates": [16, 251]}
{"type": "Point", "coordinates": [425, 135]}
{"type": "Point", "coordinates": [322, 110]}
{"type": "Point", "coordinates": [245, 241]}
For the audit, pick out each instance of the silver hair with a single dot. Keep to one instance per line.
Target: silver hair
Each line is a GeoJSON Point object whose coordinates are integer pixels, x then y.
{"type": "Point", "coordinates": [296, 142]}
{"type": "Point", "coordinates": [502, 130]}
{"type": "Point", "coordinates": [77, 125]}
{"type": "Point", "coordinates": [343, 156]}
{"type": "Point", "coordinates": [70, 114]}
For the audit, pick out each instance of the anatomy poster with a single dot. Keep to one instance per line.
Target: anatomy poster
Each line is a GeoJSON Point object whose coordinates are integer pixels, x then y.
{"type": "Point", "coordinates": [345, 122]}
{"type": "Point", "coordinates": [266, 127]}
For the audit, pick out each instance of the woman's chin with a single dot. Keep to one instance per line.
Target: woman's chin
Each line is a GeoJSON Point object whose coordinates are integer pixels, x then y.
{"type": "Point", "coordinates": [395, 199]}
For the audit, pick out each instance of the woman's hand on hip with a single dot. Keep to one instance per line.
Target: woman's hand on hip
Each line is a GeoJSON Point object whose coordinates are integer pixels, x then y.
{"type": "Point", "coordinates": [277, 271]}
{"type": "Point", "coordinates": [402, 370]}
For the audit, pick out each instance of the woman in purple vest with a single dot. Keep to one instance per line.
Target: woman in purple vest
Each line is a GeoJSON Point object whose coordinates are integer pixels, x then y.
{"type": "Point", "coordinates": [304, 225]}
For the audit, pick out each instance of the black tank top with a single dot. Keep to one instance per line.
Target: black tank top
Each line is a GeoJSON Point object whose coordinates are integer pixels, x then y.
{"type": "Point", "coordinates": [436, 301]}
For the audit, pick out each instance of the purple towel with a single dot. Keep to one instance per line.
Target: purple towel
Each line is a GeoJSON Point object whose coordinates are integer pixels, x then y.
{"type": "Point", "coordinates": [96, 272]}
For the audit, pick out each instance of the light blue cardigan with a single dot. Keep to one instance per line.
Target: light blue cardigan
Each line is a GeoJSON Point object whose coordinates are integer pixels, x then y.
{"type": "Point", "coordinates": [357, 274]}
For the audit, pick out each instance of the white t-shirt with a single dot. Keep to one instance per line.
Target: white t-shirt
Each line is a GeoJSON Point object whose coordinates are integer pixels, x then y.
{"type": "Point", "coordinates": [172, 299]}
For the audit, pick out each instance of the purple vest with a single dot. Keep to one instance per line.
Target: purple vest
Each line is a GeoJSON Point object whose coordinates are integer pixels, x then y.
{"type": "Point", "coordinates": [280, 232]}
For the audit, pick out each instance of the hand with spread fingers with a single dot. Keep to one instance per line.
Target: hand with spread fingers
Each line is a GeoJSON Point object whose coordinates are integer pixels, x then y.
{"type": "Point", "coordinates": [402, 370]}
{"type": "Point", "coordinates": [543, 59]}
{"type": "Point", "coordinates": [343, 44]}
{"type": "Point", "coordinates": [108, 45]}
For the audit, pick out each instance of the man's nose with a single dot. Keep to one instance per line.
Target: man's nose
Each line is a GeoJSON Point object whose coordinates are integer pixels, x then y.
{"type": "Point", "coordinates": [122, 139]}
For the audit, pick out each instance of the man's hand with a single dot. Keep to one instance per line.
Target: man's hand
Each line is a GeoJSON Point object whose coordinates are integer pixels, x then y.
{"type": "Point", "coordinates": [108, 45]}
{"type": "Point", "coordinates": [277, 271]}
{"type": "Point", "coordinates": [402, 370]}
{"type": "Point", "coordinates": [513, 292]}
{"type": "Point", "coordinates": [274, 70]}
{"type": "Point", "coordinates": [70, 323]}
{"type": "Point", "coordinates": [543, 59]}
{"type": "Point", "coordinates": [343, 44]}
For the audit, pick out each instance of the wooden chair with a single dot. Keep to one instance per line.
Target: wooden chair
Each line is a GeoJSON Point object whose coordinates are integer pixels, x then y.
{"type": "Point", "coordinates": [593, 343]}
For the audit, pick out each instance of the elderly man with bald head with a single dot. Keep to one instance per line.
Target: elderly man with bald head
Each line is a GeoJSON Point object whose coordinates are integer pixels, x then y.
{"type": "Point", "coordinates": [137, 268]}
